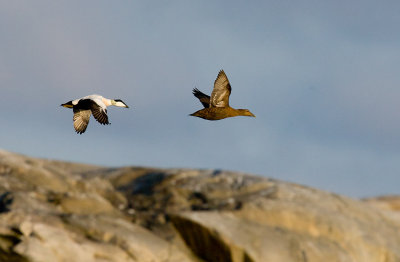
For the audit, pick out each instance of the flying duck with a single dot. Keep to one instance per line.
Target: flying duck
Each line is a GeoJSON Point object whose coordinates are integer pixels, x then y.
{"type": "Point", "coordinates": [92, 104]}
{"type": "Point", "coordinates": [217, 106]}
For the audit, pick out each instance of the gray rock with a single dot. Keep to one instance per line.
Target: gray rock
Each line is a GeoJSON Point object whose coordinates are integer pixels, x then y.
{"type": "Point", "coordinates": [58, 211]}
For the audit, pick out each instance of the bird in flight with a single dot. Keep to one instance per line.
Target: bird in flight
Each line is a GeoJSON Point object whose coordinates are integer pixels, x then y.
{"type": "Point", "coordinates": [217, 106]}
{"type": "Point", "coordinates": [92, 104]}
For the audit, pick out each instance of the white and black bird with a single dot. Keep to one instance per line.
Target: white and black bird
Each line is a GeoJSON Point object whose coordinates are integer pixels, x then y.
{"type": "Point", "coordinates": [92, 104]}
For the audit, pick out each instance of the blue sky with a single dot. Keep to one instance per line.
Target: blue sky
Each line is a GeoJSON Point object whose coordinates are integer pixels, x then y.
{"type": "Point", "coordinates": [321, 76]}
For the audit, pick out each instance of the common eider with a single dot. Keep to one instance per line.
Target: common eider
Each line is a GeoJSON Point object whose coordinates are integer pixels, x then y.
{"type": "Point", "coordinates": [217, 106]}
{"type": "Point", "coordinates": [92, 104]}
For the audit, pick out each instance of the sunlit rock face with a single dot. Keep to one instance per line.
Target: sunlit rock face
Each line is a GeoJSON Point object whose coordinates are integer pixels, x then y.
{"type": "Point", "coordinates": [59, 211]}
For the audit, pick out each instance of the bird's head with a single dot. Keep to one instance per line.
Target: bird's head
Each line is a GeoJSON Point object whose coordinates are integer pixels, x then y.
{"type": "Point", "coordinates": [118, 102]}
{"type": "Point", "coordinates": [246, 112]}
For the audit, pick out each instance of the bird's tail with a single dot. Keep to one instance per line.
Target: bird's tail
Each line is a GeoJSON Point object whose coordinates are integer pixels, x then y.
{"type": "Point", "coordinates": [68, 104]}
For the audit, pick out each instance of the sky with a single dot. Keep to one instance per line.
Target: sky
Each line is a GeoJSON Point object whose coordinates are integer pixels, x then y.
{"type": "Point", "coordinates": [322, 78]}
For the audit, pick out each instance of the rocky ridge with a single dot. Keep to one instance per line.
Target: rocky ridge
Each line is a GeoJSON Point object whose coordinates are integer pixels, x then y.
{"type": "Point", "coordinates": [58, 211]}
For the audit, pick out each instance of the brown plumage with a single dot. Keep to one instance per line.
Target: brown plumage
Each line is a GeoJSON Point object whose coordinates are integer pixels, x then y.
{"type": "Point", "coordinates": [217, 106]}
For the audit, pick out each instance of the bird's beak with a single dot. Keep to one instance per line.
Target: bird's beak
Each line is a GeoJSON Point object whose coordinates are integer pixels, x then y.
{"type": "Point", "coordinates": [251, 114]}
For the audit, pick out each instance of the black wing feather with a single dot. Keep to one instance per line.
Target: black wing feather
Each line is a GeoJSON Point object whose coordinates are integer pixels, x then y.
{"type": "Point", "coordinates": [204, 99]}
{"type": "Point", "coordinates": [99, 114]}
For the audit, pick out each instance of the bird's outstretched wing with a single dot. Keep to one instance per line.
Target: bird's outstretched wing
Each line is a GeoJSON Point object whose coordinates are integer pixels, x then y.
{"type": "Point", "coordinates": [99, 113]}
{"type": "Point", "coordinates": [204, 99]}
{"type": "Point", "coordinates": [221, 92]}
{"type": "Point", "coordinates": [81, 119]}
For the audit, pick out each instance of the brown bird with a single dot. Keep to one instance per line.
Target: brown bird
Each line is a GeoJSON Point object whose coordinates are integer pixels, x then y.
{"type": "Point", "coordinates": [217, 106]}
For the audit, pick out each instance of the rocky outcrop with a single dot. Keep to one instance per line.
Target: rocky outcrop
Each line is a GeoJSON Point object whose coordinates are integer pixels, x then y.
{"type": "Point", "coordinates": [385, 202]}
{"type": "Point", "coordinates": [58, 211]}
